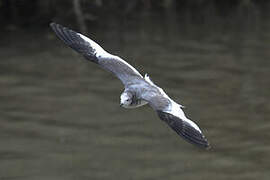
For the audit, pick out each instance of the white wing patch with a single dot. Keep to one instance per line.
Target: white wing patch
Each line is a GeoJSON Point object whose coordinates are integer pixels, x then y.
{"type": "Point", "coordinates": [100, 52]}
{"type": "Point", "coordinates": [176, 110]}
{"type": "Point", "coordinates": [193, 125]}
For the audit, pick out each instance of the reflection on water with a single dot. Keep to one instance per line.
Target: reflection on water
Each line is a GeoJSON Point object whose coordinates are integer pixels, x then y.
{"type": "Point", "coordinates": [60, 115]}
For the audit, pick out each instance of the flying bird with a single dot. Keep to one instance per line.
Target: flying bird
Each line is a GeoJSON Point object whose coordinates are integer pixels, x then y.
{"type": "Point", "coordinates": [138, 90]}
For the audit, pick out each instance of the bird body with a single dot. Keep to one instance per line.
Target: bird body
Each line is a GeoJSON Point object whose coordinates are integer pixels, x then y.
{"type": "Point", "coordinates": [138, 90]}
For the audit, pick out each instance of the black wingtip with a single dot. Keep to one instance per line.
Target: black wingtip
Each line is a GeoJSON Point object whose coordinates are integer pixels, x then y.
{"type": "Point", "coordinates": [74, 40]}
{"type": "Point", "coordinates": [185, 129]}
{"type": "Point", "coordinates": [207, 145]}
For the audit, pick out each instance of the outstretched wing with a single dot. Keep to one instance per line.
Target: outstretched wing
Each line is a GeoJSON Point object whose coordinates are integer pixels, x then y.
{"type": "Point", "coordinates": [187, 129]}
{"type": "Point", "coordinates": [172, 114]}
{"type": "Point", "coordinates": [93, 52]}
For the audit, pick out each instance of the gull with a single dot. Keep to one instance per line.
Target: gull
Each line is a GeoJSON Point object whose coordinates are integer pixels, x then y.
{"type": "Point", "coordinates": [138, 90]}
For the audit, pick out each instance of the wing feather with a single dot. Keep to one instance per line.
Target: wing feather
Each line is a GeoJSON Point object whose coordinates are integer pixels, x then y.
{"type": "Point", "coordinates": [95, 53]}
{"type": "Point", "coordinates": [184, 129]}
{"type": "Point", "coordinates": [171, 113]}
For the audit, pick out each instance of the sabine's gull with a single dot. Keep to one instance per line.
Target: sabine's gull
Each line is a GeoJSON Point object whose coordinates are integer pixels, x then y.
{"type": "Point", "coordinates": [139, 90]}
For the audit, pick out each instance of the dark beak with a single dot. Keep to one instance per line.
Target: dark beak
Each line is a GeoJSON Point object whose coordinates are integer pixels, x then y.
{"type": "Point", "coordinates": [121, 104]}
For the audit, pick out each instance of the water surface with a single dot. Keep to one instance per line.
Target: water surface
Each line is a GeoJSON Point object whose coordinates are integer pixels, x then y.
{"type": "Point", "coordinates": [60, 115]}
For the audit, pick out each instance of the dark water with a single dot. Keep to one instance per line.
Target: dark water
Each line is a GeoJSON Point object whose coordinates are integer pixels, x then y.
{"type": "Point", "coordinates": [60, 116]}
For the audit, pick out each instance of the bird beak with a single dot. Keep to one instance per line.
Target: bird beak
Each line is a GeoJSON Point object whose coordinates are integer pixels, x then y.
{"type": "Point", "coordinates": [121, 104]}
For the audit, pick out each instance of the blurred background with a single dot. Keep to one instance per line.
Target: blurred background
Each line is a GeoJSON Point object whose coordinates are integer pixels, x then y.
{"type": "Point", "coordinates": [60, 116]}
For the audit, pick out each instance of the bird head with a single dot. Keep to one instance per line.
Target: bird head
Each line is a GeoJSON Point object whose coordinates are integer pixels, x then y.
{"type": "Point", "coordinates": [125, 99]}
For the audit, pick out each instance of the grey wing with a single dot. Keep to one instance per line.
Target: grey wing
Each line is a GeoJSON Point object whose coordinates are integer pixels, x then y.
{"type": "Point", "coordinates": [175, 118]}
{"type": "Point", "coordinates": [95, 53]}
